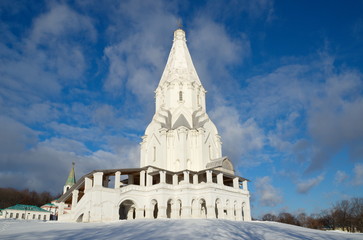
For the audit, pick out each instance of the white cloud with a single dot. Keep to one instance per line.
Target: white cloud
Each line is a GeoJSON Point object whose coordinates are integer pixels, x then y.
{"type": "Point", "coordinates": [340, 176]}
{"type": "Point", "coordinates": [267, 194]}
{"type": "Point", "coordinates": [137, 59]}
{"type": "Point", "coordinates": [239, 138]}
{"type": "Point", "coordinates": [358, 174]}
{"type": "Point", "coordinates": [306, 185]}
{"type": "Point", "coordinates": [46, 57]}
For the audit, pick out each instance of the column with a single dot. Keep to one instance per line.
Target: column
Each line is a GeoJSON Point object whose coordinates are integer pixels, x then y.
{"type": "Point", "coordinates": [97, 179]}
{"type": "Point", "coordinates": [236, 182]}
{"type": "Point", "coordinates": [162, 176]}
{"type": "Point", "coordinates": [175, 179]}
{"type": "Point", "coordinates": [220, 179]}
{"type": "Point", "coordinates": [230, 211]}
{"type": "Point", "coordinates": [239, 212]}
{"type": "Point", "coordinates": [162, 211]}
{"type": "Point", "coordinates": [149, 179]}
{"type": "Point", "coordinates": [117, 179]}
{"type": "Point", "coordinates": [186, 177]}
{"type": "Point", "coordinates": [87, 183]}
{"type": "Point", "coordinates": [139, 213]}
{"type": "Point", "coordinates": [74, 198]}
{"type": "Point", "coordinates": [149, 212]}
{"type": "Point", "coordinates": [186, 211]}
{"type": "Point", "coordinates": [220, 210]}
{"type": "Point", "coordinates": [61, 208]}
{"type": "Point", "coordinates": [195, 209]}
{"type": "Point", "coordinates": [209, 176]}
{"type": "Point", "coordinates": [195, 178]}
{"type": "Point", "coordinates": [244, 185]}
{"type": "Point", "coordinates": [142, 178]}
{"type": "Point", "coordinates": [211, 212]}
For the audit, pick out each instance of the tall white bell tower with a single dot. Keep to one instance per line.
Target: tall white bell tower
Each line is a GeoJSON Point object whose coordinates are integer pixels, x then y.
{"type": "Point", "coordinates": [180, 136]}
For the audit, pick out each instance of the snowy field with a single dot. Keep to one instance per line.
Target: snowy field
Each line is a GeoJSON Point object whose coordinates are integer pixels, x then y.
{"type": "Point", "coordinates": [163, 229]}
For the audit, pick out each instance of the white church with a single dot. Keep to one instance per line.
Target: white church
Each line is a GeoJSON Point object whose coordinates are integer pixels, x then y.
{"type": "Point", "coordinates": [182, 172]}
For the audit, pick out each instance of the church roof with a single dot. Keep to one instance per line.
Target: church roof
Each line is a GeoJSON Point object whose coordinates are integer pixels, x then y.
{"type": "Point", "coordinates": [71, 180]}
{"type": "Point", "coordinates": [23, 207]}
{"type": "Point", "coordinates": [179, 66]}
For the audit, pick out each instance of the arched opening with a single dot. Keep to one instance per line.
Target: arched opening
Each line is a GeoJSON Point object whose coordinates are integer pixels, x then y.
{"type": "Point", "coordinates": [202, 208]}
{"type": "Point", "coordinates": [235, 210]}
{"type": "Point", "coordinates": [193, 208]}
{"type": "Point", "coordinates": [155, 209]}
{"type": "Point", "coordinates": [227, 209]}
{"type": "Point", "coordinates": [243, 211]}
{"type": "Point", "coordinates": [80, 218]}
{"type": "Point", "coordinates": [179, 205]}
{"type": "Point", "coordinates": [216, 207]}
{"type": "Point", "coordinates": [169, 208]}
{"type": "Point", "coordinates": [127, 210]}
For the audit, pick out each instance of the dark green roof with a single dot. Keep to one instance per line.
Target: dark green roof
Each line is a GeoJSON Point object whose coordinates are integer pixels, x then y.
{"type": "Point", "coordinates": [26, 208]}
{"type": "Point", "coordinates": [49, 204]}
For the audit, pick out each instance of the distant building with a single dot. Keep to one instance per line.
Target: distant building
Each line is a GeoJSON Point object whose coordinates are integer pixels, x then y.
{"type": "Point", "coordinates": [52, 207]}
{"type": "Point", "coordinates": [182, 172]}
{"type": "Point", "coordinates": [26, 212]}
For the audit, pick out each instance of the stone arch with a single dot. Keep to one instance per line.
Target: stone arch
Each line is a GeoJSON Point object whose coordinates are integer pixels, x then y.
{"type": "Point", "coordinates": [154, 208]}
{"type": "Point", "coordinates": [169, 208]}
{"type": "Point", "coordinates": [227, 209]}
{"type": "Point", "coordinates": [202, 208]}
{"type": "Point", "coordinates": [80, 218]}
{"type": "Point", "coordinates": [195, 208]}
{"type": "Point", "coordinates": [127, 210]}
{"type": "Point", "coordinates": [243, 211]}
{"type": "Point", "coordinates": [217, 208]}
{"type": "Point", "coordinates": [235, 210]}
{"type": "Point", "coordinates": [179, 207]}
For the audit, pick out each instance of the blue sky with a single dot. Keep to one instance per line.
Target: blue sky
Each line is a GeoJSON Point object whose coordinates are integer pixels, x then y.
{"type": "Point", "coordinates": [284, 82]}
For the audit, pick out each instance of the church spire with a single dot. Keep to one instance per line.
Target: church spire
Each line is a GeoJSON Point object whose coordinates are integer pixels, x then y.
{"type": "Point", "coordinates": [71, 180]}
{"type": "Point", "coordinates": [179, 66]}
{"type": "Point", "coordinates": [180, 135]}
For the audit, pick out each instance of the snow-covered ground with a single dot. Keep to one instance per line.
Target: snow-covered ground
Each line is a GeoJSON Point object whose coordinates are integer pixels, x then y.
{"type": "Point", "coordinates": [163, 229]}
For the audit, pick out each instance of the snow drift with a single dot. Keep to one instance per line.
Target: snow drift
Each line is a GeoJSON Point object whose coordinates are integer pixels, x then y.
{"type": "Point", "coordinates": [164, 229]}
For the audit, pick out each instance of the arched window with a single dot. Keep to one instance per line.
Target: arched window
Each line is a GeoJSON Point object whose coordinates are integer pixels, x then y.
{"type": "Point", "coordinates": [180, 96]}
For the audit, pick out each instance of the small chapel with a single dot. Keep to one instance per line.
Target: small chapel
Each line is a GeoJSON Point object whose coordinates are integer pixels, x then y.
{"type": "Point", "coordinates": [182, 172]}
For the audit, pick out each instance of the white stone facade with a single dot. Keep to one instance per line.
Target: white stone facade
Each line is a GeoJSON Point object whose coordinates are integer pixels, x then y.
{"type": "Point", "coordinates": [180, 135]}
{"type": "Point", "coordinates": [182, 172]}
{"type": "Point", "coordinates": [25, 214]}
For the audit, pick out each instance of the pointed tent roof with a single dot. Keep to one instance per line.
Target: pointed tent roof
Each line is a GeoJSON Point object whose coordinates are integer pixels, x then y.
{"type": "Point", "coordinates": [179, 65]}
{"type": "Point", "coordinates": [71, 180]}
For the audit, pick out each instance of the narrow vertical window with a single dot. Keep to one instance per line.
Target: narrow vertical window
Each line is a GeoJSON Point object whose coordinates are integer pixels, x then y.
{"type": "Point", "coordinates": [180, 96]}
{"type": "Point", "coordinates": [154, 157]}
{"type": "Point", "coordinates": [210, 152]}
